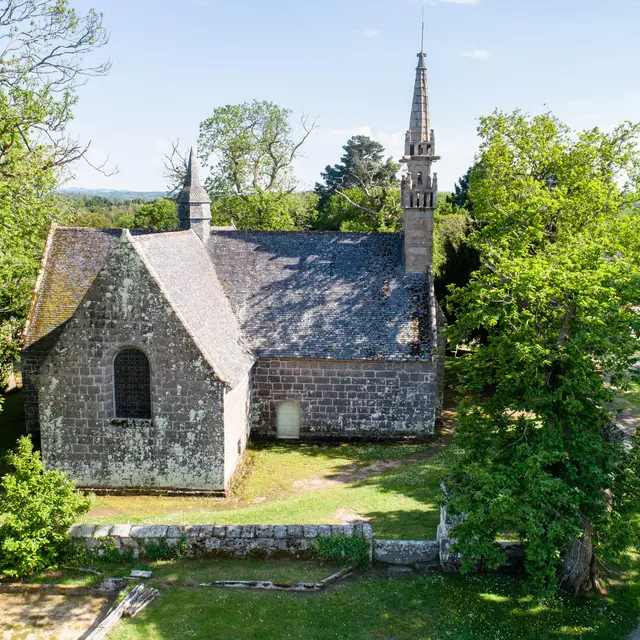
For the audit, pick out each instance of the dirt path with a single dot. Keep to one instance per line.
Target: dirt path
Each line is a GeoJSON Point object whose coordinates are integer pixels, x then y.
{"type": "Point", "coordinates": [38, 616]}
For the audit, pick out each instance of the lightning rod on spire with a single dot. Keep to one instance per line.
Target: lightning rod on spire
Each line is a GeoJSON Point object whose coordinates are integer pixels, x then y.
{"type": "Point", "coordinates": [422, 37]}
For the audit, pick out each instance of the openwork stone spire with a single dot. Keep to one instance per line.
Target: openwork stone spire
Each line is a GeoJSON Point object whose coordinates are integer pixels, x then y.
{"type": "Point", "coordinates": [419, 187]}
{"type": "Point", "coordinates": [419, 125]}
{"type": "Point", "coordinates": [194, 210]}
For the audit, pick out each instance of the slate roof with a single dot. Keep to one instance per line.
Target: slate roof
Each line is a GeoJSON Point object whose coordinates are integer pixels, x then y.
{"type": "Point", "coordinates": [324, 294]}
{"type": "Point", "coordinates": [180, 264]}
{"type": "Point", "coordinates": [248, 294]}
{"type": "Point", "coordinates": [74, 258]}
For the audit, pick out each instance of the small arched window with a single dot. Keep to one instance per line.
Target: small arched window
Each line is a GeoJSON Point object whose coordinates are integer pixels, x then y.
{"type": "Point", "coordinates": [132, 383]}
{"type": "Point", "coordinates": [411, 150]}
{"type": "Point", "coordinates": [419, 178]}
{"type": "Point", "coordinates": [288, 427]}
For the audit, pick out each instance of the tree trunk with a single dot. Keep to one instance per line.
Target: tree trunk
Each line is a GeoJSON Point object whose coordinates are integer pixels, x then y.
{"type": "Point", "coordinates": [579, 571]}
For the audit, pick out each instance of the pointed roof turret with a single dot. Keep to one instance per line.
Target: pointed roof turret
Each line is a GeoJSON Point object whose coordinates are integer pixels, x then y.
{"type": "Point", "coordinates": [419, 125]}
{"type": "Point", "coordinates": [193, 191]}
{"type": "Point", "coordinates": [194, 211]}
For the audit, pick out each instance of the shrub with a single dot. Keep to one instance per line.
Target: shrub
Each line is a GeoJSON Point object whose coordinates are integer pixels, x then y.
{"type": "Point", "coordinates": [39, 506]}
{"type": "Point", "coordinates": [349, 551]}
{"type": "Point", "coordinates": [161, 550]}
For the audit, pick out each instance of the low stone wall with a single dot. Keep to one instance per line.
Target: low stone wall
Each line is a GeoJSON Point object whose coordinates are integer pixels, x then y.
{"type": "Point", "coordinates": [211, 540]}
{"type": "Point", "coordinates": [407, 552]}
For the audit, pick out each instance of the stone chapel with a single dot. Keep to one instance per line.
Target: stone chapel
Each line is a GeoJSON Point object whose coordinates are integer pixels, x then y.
{"type": "Point", "coordinates": [151, 358]}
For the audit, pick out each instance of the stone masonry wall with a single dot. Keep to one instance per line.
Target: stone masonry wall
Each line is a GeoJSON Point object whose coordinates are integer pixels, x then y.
{"type": "Point", "coordinates": [210, 540]}
{"type": "Point", "coordinates": [345, 399]}
{"type": "Point", "coordinates": [182, 446]}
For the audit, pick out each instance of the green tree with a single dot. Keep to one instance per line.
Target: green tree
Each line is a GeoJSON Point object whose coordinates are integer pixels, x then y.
{"type": "Point", "coordinates": [555, 304]}
{"type": "Point", "coordinates": [356, 210]}
{"type": "Point", "coordinates": [278, 210]}
{"type": "Point", "coordinates": [39, 507]}
{"type": "Point", "coordinates": [159, 215]}
{"type": "Point", "coordinates": [250, 149]}
{"type": "Point", "coordinates": [362, 166]}
{"type": "Point", "coordinates": [361, 191]}
{"type": "Point", "coordinates": [453, 259]}
{"type": "Point", "coordinates": [42, 48]}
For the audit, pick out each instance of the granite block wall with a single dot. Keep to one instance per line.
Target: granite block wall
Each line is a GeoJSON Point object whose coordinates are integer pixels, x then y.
{"type": "Point", "coordinates": [347, 399]}
{"type": "Point", "coordinates": [211, 540]}
{"type": "Point", "coordinates": [182, 445]}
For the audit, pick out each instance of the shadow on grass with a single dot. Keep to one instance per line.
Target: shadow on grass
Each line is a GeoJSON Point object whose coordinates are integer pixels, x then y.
{"type": "Point", "coordinates": [430, 606]}
{"type": "Point", "coordinates": [12, 424]}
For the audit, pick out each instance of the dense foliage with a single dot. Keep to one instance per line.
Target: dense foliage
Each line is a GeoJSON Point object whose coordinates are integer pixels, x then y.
{"type": "Point", "coordinates": [38, 507]}
{"type": "Point", "coordinates": [250, 148]}
{"type": "Point", "coordinates": [42, 48]}
{"type": "Point", "coordinates": [100, 211]}
{"type": "Point", "coordinates": [551, 316]}
{"type": "Point", "coordinates": [361, 192]}
{"type": "Point", "coordinates": [277, 210]}
{"type": "Point", "coordinates": [347, 551]}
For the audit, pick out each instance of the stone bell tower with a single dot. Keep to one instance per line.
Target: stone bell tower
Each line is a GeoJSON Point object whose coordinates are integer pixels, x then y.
{"type": "Point", "coordinates": [194, 204]}
{"type": "Point", "coordinates": [419, 187]}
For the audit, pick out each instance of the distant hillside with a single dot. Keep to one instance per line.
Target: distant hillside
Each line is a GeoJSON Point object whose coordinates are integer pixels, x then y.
{"type": "Point", "coordinates": [114, 194]}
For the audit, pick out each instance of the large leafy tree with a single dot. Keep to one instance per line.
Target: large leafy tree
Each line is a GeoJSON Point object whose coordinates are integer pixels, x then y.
{"type": "Point", "coordinates": [361, 191]}
{"type": "Point", "coordinates": [357, 210]}
{"type": "Point", "coordinates": [250, 148]}
{"type": "Point", "coordinates": [279, 210]}
{"type": "Point", "coordinates": [552, 319]}
{"type": "Point", "coordinates": [362, 166]}
{"type": "Point", "coordinates": [43, 44]}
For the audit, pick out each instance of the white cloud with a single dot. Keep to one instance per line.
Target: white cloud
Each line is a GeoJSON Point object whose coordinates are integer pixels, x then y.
{"type": "Point", "coordinates": [369, 34]}
{"type": "Point", "coordinates": [476, 54]}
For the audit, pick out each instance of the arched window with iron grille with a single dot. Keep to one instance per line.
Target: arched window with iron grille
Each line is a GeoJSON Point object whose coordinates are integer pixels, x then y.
{"type": "Point", "coordinates": [132, 384]}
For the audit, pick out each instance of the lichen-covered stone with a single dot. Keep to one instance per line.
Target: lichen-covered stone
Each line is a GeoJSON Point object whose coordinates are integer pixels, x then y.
{"type": "Point", "coordinates": [265, 531]}
{"type": "Point", "coordinates": [405, 552]}
{"type": "Point", "coordinates": [182, 446]}
{"type": "Point", "coordinates": [86, 531]}
{"type": "Point", "coordinates": [237, 540]}
{"type": "Point", "coordinates": [294, 531]}
{"type": "Point", "coordinates": [102, 531]}
{"type": "Point", "coordinates": [121, 531]}
{"type": "Point", "coordinates": [150, 531]}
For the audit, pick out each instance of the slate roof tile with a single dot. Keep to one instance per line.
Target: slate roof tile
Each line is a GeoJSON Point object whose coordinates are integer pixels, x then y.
{"type": "Point", "coordinates": [324, 294]}
{"type": "Point", "coordinates": [253, 294]}
{"type": "Point", "coordinates": [182, 268]}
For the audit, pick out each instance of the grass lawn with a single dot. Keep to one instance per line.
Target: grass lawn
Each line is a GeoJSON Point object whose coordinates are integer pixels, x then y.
{"type": "Point", "coordinates": [189, 572]}
{"type": "Point", "coordinates": [377, 605]}
{"type": "Point", "coordinates": [394, 487]}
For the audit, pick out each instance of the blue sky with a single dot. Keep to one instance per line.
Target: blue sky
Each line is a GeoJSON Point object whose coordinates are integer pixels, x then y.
{"type": "Point", "coordinates": [351, 64]}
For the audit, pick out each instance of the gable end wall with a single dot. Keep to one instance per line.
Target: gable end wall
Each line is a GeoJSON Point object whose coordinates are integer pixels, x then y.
{"type": "Point", "coordinates": [182, 447]}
